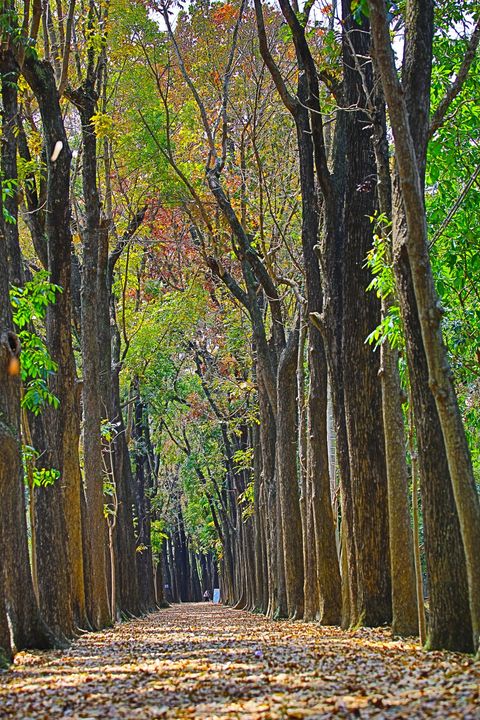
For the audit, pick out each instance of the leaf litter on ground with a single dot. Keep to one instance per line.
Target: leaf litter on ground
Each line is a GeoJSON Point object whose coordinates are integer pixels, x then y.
{"type": "Point", "coordinates": [207, 661]}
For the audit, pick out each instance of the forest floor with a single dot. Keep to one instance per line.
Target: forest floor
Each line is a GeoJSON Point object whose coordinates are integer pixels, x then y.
{"type": "Point", "coordinates": [207, 661]}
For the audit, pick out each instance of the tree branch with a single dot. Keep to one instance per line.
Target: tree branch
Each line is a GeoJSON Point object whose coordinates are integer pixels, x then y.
{"type": "Point", "coordinates": [288, 100]}
{"type": "Point", "coordinates": [439, 115]}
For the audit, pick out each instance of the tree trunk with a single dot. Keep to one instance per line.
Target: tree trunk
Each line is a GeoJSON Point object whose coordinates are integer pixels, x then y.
{"type": "Point", "coordinates": [63, 603]}
{"type": "Point", "coordinates": [9, 72]}
{"type": "Point", "coordinates": [98, 610]}
{"type": "Point", "coordinates": [410, 156]}
{"type": "Point", "coordinates": [269, 503]}
{"type": "Point", "coordinates": [127, 588]}
{"type": "Point", "coordinates": [405, 599]}
{"type": "Point", "coordinates": [361, 314]}
{"type": "Point", "coordinates": [144, 548]}
{"type": "Point", "coordinates": [287, 477]}
{"type": "Point", "coordinates": [449, 625]}
{"type": "Point", "coordinates": [20, 623]}
{"type": "Point", "coordinates": [159, 583]}
{"type": "Point", "coordinates": [173, 572]}
{"type": "Point", "coordinates": [195, 580]}
{"type": "Point", "coordinates": [260, 547]}
{"type": "Point", "coordinates": [310, 587]}
{"type": "Point", "coordinates": [328, 570]}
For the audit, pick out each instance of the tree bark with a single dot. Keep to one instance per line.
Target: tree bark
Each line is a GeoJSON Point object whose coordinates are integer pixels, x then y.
{"type": "Point", "coordinates": [410, 162]}
{"type": "Point", "coordinates": [361, 314]}
{"type": "Point", "coordinates": [21, 625]}
{"type": "Point", "coordinates": [63, 601]}
{"type": "Point", "coordinates": [287, 477]}
{"type": "Point", "coordinates": [406, 602]}
{"type": "Point", "coordinates": [9, 72]}
{"type": "Point", "coordinates": [99, 613]}
{"type": "Point", "coordinates": [144, 549]}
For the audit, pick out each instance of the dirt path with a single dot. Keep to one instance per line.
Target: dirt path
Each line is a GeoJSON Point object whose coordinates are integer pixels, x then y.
{"type": "Point", "coordinates": [205, 661]}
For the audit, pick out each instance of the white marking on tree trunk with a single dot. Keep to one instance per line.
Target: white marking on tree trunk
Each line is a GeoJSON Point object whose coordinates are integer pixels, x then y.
{"type": "Point", "coordinates": [57, 150]}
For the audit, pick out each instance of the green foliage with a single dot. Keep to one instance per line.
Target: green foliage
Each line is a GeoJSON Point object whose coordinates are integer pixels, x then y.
{"type": "Point", "coordinates": [9, 189]}
{"type": "Point", "coordinates": [30, 302]}
{"type": "Point", "coordinates": [11, 29]}
{"type": "Point", "coordinates": [389, 329]}
{"type": "Point", "coordinates": [247, 501]}
{"type": "Point", "coordinates": [378, 259]}
{"type": "Point", "coordinates": [243, 459]}
{"type": "Point", "coordinates": [30, 305]}
{"type": "Point", "coordinates": [40, 476]}
{"type": "Point", "coordinates": [157, 536]}
{"type": "Point", "coordinates": [452, 201]}
{"type": "Point", "coordinates": [383, 283]}
{"type": "Point", "coordinates": [108, 430]}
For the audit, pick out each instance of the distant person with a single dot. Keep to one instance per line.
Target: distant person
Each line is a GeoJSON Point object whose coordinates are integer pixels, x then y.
{"type": "Point", "coordinates": [206, 596]}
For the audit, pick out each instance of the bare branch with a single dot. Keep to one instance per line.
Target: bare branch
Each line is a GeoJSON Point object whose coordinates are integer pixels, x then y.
{"type": "Point", "coordinates": [66, 48]}
{"type": "Point", "coordinates": [226, 87]}
{"type": "Point", "coordinates": [287, 99]}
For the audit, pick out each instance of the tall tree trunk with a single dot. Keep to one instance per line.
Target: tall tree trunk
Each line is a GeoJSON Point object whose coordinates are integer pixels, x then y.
{"type": "Point", "coordinates": [167, 575]}
{"type": "Point", "coordinates": [449, 625]}
{"type": "Point", "coordinates": [195, 580]}
{"type": "Point", "coordinates": [287, 477]}
{"type": "Point", "coordinates": [9, 72]}
{"type": "Point", "coordinates": [361, 314]}
{"type": "Point", "coordinates": [85, 100]}
{"type": "Point", "coordinates": [144, 548]}
{"type": "Point", "coordinates": [159, 583]}
{"type": "Point", "coordinates": [260, 547]}
{"type": "Point", "coordinates": [269, 501]}
{"type": "Point", "coordinates": [328, 571]}
{"type": "Point", "coordinates": [63, 603]}
{"type": "Point", "coordinates": [310, 587]}
{"type": "Point", "coordinates": [26, 628]}
{"type": "Point", "coordinates": [408, 111]}
{"type": "Point", "coordinates": [128, 591]}
{"type": "Point", "coordinates": [405, 602]}
{"type": "Point", "coordinates": [173, 572]}
{"type": "Point", "coordinates": [20, 623]}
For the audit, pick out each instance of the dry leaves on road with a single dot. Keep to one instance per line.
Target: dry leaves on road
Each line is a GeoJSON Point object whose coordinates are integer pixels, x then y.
{"type": "Point", "coordinates": [206, 661]}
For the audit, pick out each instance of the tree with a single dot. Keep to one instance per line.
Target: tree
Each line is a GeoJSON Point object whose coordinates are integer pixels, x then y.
{"type": "Point", "coordinates": [410, 163]}
{"type": "Point", "coordinates": [21, 625]}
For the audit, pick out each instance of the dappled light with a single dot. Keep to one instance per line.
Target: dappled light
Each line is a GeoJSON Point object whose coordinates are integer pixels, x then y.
{"type": "Point", "coordinates": [205, 661]}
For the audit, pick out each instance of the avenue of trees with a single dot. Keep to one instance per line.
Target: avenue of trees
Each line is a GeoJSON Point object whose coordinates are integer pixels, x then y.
{"type": "Point", "coordinates": [240, 313]}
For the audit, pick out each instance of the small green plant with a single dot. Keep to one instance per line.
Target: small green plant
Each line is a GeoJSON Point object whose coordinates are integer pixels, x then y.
{"type": "Point", "coordinates": [37, 477]}
{"type": "Point", "coordinates": [108, 432]}
{"type": "Point", "coordinates": [383, 283]}
{"type": "Point", "coordinates": [246, 500]}
{"type": "Point", "coordinates": [30, 305]}
{"type": "Point", "coordinates": [9, 189]}
{"type": "Point", "coordinates": [378, 259]}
